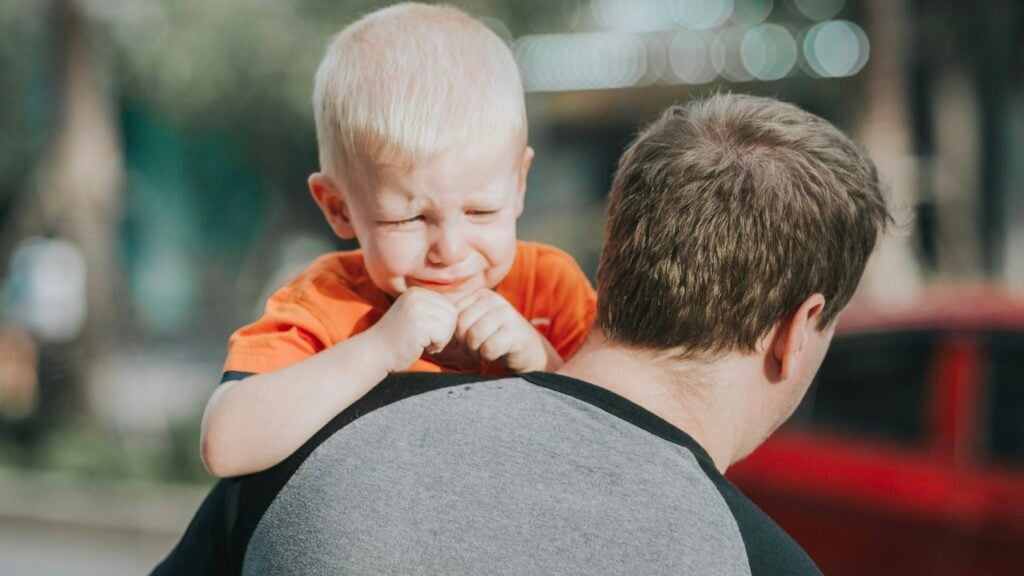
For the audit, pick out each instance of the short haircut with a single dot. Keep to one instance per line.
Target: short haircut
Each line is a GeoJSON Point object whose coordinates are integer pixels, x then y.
{"type": "Point", "coordinates": [725, 215]}
{"type": "Point", "coordinates": [411, 80]}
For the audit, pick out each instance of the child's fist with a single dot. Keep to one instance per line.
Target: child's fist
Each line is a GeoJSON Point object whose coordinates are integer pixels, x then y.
{"type": "Point", "coordinates": [419, 321]}
{"type": "Point", "coordinates": [490, 327]}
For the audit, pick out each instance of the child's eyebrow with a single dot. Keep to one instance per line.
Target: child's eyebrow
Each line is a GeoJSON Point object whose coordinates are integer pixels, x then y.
{"type": "Point", "coordinates": [488, 203]}
{"type": "Point", "coordinates": [396, 208]}
{"type": "Point", "coordinates": [488, 195]}
{"type": "Point", "coordinates": [393, 198]}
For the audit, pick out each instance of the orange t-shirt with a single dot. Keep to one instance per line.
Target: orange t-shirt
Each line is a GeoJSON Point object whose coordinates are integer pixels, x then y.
{"type": "Point", "coordinates": [334, 299]}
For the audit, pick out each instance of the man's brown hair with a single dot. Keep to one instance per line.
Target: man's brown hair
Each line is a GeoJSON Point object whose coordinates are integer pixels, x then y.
{"type": "Point", "coordinates": [725, 215]}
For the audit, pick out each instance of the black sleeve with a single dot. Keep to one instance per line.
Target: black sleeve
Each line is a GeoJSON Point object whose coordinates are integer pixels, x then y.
{"type": "Point", "coordinates": [770, 550]}
{"type": "Point", "coordinates": [218, 536]}
{"type": "Point", "coordinates": [203, 548]}
{"type": "Point", "coordinates": [233, 375]}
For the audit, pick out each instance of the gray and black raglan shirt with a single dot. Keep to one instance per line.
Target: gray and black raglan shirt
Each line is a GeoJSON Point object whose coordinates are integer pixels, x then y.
{"type": "Point", "coordinates": [442, 474]}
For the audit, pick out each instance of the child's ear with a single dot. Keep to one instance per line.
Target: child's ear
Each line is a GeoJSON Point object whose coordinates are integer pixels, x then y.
{"type": "Point", "coordinates": [327, 195]}
{"type": "Point", "coordinates": [523, 171]}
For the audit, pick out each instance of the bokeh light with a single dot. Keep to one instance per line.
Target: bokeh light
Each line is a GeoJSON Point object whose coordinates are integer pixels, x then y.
{"type": "Point", "coordinates": [632, 15]}
{"type": "Point", "coordinates": [818, 9]}
{"type": "Point", "coordinates": [835, 48]}
{"type": "Point", "coordinates": [702, 14]}
{"type": "Point", "coordinates": [725, 55]}
{"type": "Point", "coordinates": [557, 62]}
{"type": "Point", "coordinates": [572, 13]}
{"type": "Point", "coordinates": [623, 43]}
{"type": "Point", "coordinates": [658, 66]}
{"type": "Point", "coordinates": [768, 51]}
{"type": "Point", "coordinates": [751, 12]}
{"type": "Point", "coordinates": [690, 57]}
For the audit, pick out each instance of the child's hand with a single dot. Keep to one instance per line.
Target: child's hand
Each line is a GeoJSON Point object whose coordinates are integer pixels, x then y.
{"type": "Point", "coordinates": [490, 327]}
{"type": "Point", "coordinates": [419, 321]}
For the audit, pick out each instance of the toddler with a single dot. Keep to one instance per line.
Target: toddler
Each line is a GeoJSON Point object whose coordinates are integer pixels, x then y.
{"type": "Point", "coordinates": [421, 128]}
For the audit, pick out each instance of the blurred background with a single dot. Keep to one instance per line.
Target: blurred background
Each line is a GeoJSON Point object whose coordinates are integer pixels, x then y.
{"type": "Point", "coordinates": [153, 157]}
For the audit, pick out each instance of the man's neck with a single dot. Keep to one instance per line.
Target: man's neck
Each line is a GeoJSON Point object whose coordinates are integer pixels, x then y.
{"type": "Point", "coordinates": [698, 398]}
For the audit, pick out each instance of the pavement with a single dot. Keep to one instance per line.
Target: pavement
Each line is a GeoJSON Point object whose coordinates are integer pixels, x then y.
{"type": "Point", "coordinates": [52, 525]}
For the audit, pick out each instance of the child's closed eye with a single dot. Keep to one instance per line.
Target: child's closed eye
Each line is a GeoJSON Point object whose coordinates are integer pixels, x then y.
{"type": "Point", "coordinates": [482, 213]}
{"type": "Point", "coordinates": [401, 221]}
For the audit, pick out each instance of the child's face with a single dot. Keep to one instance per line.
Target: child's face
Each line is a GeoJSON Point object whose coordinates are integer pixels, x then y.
{"type": "Point", "coordinates": [447, 224]}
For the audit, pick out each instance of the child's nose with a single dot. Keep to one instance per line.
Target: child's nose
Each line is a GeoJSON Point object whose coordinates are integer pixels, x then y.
{"type": "Point", "coordinates": [449, 246]}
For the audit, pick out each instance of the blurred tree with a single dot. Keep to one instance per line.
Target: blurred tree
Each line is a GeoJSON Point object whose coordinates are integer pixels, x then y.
{"type": "Point", "coordinates": [77, 187]}
{"type": "Point", "coordinates": [23, 102]}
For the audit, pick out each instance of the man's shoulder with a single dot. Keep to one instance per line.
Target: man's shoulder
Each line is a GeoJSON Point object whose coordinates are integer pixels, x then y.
{"type": "Point", "coordinates": [538, 473]}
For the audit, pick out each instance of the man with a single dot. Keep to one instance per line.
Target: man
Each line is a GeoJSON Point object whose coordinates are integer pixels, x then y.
{"type": "Point", "coordinates": [738, 229]}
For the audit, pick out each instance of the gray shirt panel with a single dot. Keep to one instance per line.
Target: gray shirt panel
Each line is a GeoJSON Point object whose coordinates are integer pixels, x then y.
{"type": "Point", "coordinates": [497, 477]}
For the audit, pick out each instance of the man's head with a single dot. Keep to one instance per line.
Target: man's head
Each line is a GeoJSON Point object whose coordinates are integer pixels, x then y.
{"type": "Point", "coordinates": [738, 224]}
{"type": "Point", "coordinates": [422, 133]}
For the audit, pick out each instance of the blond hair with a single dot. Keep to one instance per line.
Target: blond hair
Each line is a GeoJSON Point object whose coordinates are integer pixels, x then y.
{"type": "Point", "coordinates": [724, 216]}
{"type": "Point", "coordinates": [408, 81]}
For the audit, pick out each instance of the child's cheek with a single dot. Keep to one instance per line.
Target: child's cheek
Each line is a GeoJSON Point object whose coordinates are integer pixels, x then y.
{"type": "Point", "coordinates": [402, 252]}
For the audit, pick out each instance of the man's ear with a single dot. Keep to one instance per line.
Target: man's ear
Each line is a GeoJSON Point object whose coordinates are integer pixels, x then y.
{"type": "Point", "coordinates": [329, 198]}
{"type": "Point", "coordinates": [792, 333]}
{"type": "Point", "coordinates": [524, 169]}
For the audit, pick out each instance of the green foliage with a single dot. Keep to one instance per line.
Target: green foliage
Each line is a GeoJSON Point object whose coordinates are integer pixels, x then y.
{"type": "Point", "coordinates": [23, 119]}
{"type": "Point", "coordinates": [239, 67]}
{"type": "Point", "coordinates": [235, 62]}
{"type": "Point", "coordinates": [96, 453]}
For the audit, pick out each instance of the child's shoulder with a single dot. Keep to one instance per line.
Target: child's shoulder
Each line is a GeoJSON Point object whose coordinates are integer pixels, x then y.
{"type": "Point", "coordinates": [328, 273]}
{"type": "Point", "coordinates": [535, 259]}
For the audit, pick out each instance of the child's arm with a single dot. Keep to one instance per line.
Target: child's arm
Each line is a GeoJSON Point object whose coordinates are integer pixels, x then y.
{"type": "Point", "coordinates": [490, 327]}
{"type": "Point", "coordinates": [250, 425]}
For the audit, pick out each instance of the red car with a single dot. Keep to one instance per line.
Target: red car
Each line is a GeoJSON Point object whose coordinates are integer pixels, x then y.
{"type": "Point", "coordinates": [907, 454]}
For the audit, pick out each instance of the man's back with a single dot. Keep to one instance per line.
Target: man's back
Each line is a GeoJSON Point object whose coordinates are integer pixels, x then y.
{"type": "Point", "coordinates": [542, 474]}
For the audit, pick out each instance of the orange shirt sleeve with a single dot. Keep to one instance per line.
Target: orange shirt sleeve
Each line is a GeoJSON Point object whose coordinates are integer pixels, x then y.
{"type": "Point", "coordinates": [286, 333]}
{"type": "Point", "coordinates": [314, 311]}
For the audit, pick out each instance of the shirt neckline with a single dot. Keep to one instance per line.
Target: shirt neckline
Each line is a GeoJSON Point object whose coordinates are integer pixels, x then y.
{"type": "Point", "coordinates": [621, 408]}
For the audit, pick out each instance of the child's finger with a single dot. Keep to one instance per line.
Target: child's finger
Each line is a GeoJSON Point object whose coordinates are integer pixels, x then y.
{"type": "Point", "coordinates": [470, 316]}
{"type": "Point", "coordinates": [470, 299]}
{"type": "Point", "coordinates": [435, 300]}
{"type": "Point", "coordinates": [441, 313]}
{"type": "Point", "coordinates": [437, 308]}
{"type": "Point", "coordinates": [497, 345]}
{"type": "Point", "coordinates": [481, 330]}
{"type": "Point", "coordinates": [441, 328]}
{"type": "Point", "coordinates": [436, 345]}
